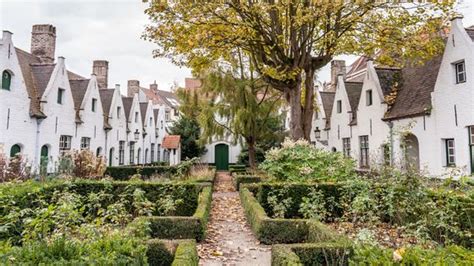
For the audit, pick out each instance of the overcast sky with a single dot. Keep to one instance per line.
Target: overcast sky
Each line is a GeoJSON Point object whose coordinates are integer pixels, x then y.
{"type": "Point", "coordinates": [109, 30]}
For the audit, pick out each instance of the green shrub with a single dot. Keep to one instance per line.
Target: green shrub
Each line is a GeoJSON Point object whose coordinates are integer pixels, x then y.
{"type": "Point", "coordinates": [300, 161]}
{"type": "Point", "coordinates": [126, 172]}
{"type": "Point", "coordinates": [160, 252]}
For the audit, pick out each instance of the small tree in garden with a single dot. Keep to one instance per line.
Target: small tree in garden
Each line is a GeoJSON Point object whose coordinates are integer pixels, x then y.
{"type": "Point", "coordinates": [189, 130]}
{"type": "Point", "coordinates": [300, 161]}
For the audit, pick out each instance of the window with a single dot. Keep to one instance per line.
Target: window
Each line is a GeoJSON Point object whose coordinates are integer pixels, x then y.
{"type": "Point", "coordinates": [146, 156]}
{"type": "Point", "coordinates": [94, 104]}
{"type": "Point", "coordinates": [60, 96]}
{"type": "Point", "coordinates": [132, 152]}
{"type": "Point", "coordinates": [176, 112]}
{"type": "Point", "coordinates": [167, 115]}
{"type": "Point", "coordinates": [339, 106]}
{"type": "Point", "coordinates": [64, 144]}
{"type": "Point", "coordinates": [98, 152]}
{"type": "Point", "coordinates": [119, 110]}
{"type": "Point", "coordinates": [6, 80]}
{"type": "Point", "coordinates": [151, 121]}
{"type": "Point", "coordinates": [364, 151]}
{"type": "Point", "coordinates": [346, 147]}
{"type": "Point", "coordinates": [152, 152]}
{"type": "Point", "coordinates": [121, 152]}
{"type": "Point", "coordinates": [450, 154]}
{"type": "Point", "coordinates": [368, 97]}
{"type": "Point", "coordinates": [460, 72]}
{"type": "Point", "coordinates": [85, 143]}
{"type": "Point", "coordinates": [136, 117]}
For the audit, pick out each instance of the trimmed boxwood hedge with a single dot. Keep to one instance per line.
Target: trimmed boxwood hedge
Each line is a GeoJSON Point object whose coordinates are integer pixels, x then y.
{"type": "Point", "coordinates": [239, 179]}
{"type": "Point", "coordinates": [324, 253]}
{"type": "Point", "coordinates": [275, 231]}
{"type": "Point", "coordinates": [125, 172]}
{"type": "Point", "coordinates": [180, 227]}
{"type": "Point", "coordinates": [172, 252]}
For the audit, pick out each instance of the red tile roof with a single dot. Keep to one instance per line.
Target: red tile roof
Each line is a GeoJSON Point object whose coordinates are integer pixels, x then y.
{"type": "Point", "coordinates": [171, 141]}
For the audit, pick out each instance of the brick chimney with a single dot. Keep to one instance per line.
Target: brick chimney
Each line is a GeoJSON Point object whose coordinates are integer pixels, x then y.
{"type": "Point", "coordinates": [43, 42]}
{"type": "Point", "coordinates": [133, 86]}
{"type": "Point", "coordinates": [338, 67]}
{"type": "Point", "coordinates": [100, 68]}
{"type": "Point", "coordinates": [154, 87]}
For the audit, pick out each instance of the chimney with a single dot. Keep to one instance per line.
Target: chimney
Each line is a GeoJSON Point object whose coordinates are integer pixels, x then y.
{"type": "Point", "coordinates": [43, 42]}
{"type": "Point", "coordinates": [100, 68]}
{"type": "Point", "coordinates": [154, 87]}
{"type": "Point", "coordinates": [132, 87]}
{"type": "Point", "coordinates": [6, 36]}
{"type": "Point", "coordinates": [338, 67]}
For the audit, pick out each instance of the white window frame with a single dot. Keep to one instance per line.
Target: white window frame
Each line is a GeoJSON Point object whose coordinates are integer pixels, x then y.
{"type": "Point", "coordinates": [450, 150]}
{"type": "Point", "coordinates": [346, 147]}
{"type": "Point", "coordinates": [460, 74]}
{"type": "Point", "coordinates": [369, 97]}
{"type": "Point", "coordinates": [364, 151]}
{"type": "Point", "coordinates": [64, 144]}
{"type": "Point", "coordinates": [121, 152]}
{"type": "Point", "coordinates": [94, 105]}
{"type": "Point", "coordinates": [339, 106]}
{"type": "Point", "coordinates": [85, 143]}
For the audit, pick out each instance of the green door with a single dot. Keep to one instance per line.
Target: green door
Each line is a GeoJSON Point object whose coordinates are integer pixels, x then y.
{"type": "Point", "coordinates": [222, 157]}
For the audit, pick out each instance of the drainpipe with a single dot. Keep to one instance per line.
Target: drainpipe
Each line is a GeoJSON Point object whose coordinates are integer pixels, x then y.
{"type": "Point", "coordinates": [37, 149]}
{"type": "Point", "coordinates": [390, 125]}
{"type": "Point", "coordinates": [106, 150]}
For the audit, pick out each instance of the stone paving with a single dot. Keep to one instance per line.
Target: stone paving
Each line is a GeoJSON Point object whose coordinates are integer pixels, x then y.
{"type": "Point", "coordinates": [230, 240]}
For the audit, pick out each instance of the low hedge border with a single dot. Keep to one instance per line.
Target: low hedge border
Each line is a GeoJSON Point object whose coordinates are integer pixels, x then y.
{"type": "Point", "coordinates": [126, 172]}
{"type": "Point", "coordinates": [277, 231]}
{"type": "Point", "coordinates": [237, 180]}
{"type": "Point", "coordinates": [172, 252]}
{"type": "Point", "coordinates": [337, 253]}
{"type": "Point", "coordinates": [324, 253]}
{"type": "Point", "coordinates": [181, 227]}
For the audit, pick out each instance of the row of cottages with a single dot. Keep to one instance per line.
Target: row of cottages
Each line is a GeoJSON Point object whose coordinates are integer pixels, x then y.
{"type": "Point", "coordinates": [47, 111]}
{"type": "Point", "coordinates": [220, 152]}
{"type": "Point", "coordinates": [417, 116]}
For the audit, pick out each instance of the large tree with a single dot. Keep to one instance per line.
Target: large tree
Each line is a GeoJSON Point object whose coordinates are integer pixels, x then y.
{"type": "Point", "coordinates": [290, 40]}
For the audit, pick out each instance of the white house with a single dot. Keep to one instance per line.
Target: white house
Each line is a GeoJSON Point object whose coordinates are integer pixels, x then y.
{"type": "Point", "coordinates": [149, 131]}
{"type": "Point", "coordinates": [416, 116]}
{"type": "Point", "coordinates": [90, 132]}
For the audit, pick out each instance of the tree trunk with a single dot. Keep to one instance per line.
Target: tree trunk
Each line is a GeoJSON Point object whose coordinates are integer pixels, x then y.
{"type": "Point", "coordinates": [252, 153]}
{"type": "Point", "coordinates": [308, 107]}
{"type": "Point", "coordinates": [294, 100]}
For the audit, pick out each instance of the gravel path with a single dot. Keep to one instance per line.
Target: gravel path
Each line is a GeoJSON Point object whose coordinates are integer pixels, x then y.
{"type": "Point", "coordinates": [229, 239]}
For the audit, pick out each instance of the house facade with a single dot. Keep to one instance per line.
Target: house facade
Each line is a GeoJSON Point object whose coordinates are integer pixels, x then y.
{"type": "Point", "coordinates": [418, 116]}
{"type": "Point", "coordinates": [47, 110]}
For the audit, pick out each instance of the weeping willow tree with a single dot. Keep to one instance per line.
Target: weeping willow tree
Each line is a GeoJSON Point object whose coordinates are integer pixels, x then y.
{"type": "Point", "coordinates": [236, 103]}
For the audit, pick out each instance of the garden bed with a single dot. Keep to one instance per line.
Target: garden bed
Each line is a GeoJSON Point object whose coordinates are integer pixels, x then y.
{"type": "Point", "coordinates": [145, 172]}
{"type": "Point", "coordinates": [334, 253]}
{"type": "Point", "coordinates": [63, 219]}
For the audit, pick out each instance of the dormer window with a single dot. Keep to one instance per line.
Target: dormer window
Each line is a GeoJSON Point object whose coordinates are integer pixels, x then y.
{"type": "Point", "coordinates": [6, 80]}
{"type": "Point", "coordinates": [368, 97]}
{"type": "Point", "coordinates": [60, 99]}
{"type": "Point", "coordinates": [94, 104]}
{"type": "Point", "coordinates": [339, 106]}
{"type": "Point", "coordinates": [460, 69]}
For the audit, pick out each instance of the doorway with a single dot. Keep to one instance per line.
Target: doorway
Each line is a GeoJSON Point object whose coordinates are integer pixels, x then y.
{"type": "Point", "coordinates": [222, 157]}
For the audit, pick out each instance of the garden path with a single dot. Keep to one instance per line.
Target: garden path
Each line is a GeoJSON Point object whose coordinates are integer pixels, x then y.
{"type": "Point", "coordinates": [229, 239]}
